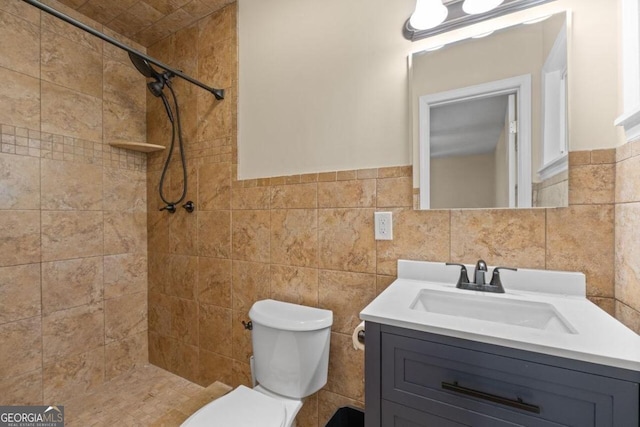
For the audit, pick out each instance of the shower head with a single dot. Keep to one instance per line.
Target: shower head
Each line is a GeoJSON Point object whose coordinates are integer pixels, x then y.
{"type": "Point", "coordinates": [143, 66]}
{"type": "Point", "coordinates": [156, 87]}
{"type": "Point", "coordinates": [160, 79]}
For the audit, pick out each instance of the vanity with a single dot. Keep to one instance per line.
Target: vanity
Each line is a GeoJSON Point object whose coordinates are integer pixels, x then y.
{"type": "Point", "coordinates": [540, 354]}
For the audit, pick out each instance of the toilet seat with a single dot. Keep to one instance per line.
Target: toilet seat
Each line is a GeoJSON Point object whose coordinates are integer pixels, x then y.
{"type": "Point", "coordinates": [243, 407]}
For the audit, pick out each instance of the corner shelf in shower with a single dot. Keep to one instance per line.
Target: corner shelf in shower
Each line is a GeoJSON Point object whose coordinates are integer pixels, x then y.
{"type": "Point", "coordinates": [137, 146]}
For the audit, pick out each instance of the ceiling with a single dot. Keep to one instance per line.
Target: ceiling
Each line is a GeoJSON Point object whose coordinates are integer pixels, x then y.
{"type": "Point", "coordinates": [146, 21]}
{"type": "Point", "coordinates": [467, 127]}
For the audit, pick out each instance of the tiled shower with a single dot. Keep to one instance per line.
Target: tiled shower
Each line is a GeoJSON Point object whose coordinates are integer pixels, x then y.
{"type": "Point", "coordinates": [94, 280]}
{"type": "Point", "coordinates": [73, 252]}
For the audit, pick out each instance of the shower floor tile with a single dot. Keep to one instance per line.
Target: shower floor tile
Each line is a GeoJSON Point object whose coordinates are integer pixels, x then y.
{"type": "Point", "coordinates": [142, 397]}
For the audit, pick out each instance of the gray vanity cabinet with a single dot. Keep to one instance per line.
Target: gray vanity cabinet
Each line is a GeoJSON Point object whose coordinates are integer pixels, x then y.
{"type": "Point", "coordinates": [418, 379]}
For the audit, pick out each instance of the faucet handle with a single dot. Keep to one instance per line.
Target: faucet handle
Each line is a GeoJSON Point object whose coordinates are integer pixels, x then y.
{"type": "Point", "coordinates": [171, 208]}
{"type": "Point", "coordinates": [464, 278]}
{"type": "Point", "coordinates": [495, 277]}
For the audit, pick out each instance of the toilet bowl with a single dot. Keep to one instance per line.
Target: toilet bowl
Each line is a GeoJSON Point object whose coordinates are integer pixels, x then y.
{"type": "Point", "coordinates": [245, 407]}
{"type": "Point", "coordinates": [290, 362]}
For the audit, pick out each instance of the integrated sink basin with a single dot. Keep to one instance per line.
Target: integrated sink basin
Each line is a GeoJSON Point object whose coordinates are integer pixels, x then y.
{"type": "Point", "coordinates": [479, 306]}
{"type": "Point", "coordinates": [541, 311]}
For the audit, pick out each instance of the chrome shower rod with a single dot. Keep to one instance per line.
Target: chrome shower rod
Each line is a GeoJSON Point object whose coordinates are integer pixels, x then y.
{"type": "Point", "coordinates": [218, 93]}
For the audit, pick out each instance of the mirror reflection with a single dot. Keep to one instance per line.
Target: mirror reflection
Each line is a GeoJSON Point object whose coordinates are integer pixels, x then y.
{"type": "Point", "coordinates": [490, 120]}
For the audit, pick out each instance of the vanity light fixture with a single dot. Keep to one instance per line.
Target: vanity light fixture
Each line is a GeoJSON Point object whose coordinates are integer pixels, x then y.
{"type": "Point", "coordinates": [432, 17]}
{"type": "Point", "coordinates": [482, 35]}
{"type": "Point", "coordinates": [428, 14]}
{"type": "Point", "coordinates": [474, 7]}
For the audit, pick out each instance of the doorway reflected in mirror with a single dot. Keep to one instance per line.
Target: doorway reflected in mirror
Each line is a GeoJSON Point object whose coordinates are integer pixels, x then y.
{"type": "Point", "coordinates": [490, 120]}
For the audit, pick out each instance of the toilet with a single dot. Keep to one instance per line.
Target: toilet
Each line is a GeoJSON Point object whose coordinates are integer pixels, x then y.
{"type": "Point", "coordinates": [290, 362]}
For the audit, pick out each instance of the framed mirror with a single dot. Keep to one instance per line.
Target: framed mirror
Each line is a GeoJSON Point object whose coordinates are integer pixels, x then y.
{"type": "Point", "coordinates": [490, 119]}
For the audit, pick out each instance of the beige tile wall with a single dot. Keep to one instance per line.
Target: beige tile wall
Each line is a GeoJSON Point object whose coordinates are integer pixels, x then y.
{"type": "Point", "coordinates": [73, 264]}
{"type": "Point", "coordinates": [552, 192]}
{"type": "Point", "coordinates": [309, 238]}
{"type": "Point", "coordinates": [627, 244]}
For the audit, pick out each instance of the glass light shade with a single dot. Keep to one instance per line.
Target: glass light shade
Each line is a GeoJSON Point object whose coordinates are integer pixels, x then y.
{"type": "Point", "coordinates": [473, 7]}
{"type": "Point", "coordinates": [428, 14]}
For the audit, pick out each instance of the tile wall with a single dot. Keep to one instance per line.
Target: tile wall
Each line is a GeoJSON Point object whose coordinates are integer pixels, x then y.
{"type": "Point", "coordinates": [552, 192]}
{"type": "Point", "coordinates": [309, 238]}
{"type": "Point", "coordinates": [73, 239]}
{"type": "Point", "coordinates": [627, 261]}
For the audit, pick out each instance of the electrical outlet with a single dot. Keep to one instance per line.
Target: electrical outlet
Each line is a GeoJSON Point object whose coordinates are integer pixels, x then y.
{"type": "Point", "coordinates": [383, 226]}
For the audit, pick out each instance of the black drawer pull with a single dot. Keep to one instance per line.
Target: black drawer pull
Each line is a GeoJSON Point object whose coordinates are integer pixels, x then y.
{"type": "Point", "coordinates": [518, 404]}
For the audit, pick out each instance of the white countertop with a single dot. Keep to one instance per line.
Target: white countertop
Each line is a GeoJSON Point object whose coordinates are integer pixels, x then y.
{"type": "Point", "coordinates": [599, 338]}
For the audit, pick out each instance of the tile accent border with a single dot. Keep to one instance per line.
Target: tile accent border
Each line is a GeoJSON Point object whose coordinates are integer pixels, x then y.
{"type": "Point", "coordinates": [32, 143]}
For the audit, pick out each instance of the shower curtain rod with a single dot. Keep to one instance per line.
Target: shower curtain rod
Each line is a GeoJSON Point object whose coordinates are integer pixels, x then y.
{"type": "Point", "coordinates": [218, 93]}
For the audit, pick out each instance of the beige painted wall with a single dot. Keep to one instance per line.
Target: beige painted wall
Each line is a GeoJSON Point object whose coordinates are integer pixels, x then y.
{"type": "Point", "coordinates": [463, 182]}
{"type": "Point", "coordinates": [323, 85]}
{"type": "Point", "coordinates": [551, 28]}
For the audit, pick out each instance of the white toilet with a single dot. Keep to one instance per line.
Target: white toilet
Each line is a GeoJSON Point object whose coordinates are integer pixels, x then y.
{"type": "Point", "coordinates": [290, 362]}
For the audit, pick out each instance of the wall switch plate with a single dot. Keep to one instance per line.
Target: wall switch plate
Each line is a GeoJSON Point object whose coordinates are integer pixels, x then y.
{"type": "Point", "coordinates": [383, 225]}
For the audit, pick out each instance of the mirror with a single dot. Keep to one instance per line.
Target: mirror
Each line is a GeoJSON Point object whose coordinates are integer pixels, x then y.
{"type": "Point", "coordinates": [490, 119]}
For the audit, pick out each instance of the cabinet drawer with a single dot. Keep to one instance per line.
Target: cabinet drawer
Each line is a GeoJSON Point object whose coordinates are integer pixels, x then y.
{"type": "Point", "coordinates": [433, 376]}
{"type": "Point", "coordinates": [395, 415]}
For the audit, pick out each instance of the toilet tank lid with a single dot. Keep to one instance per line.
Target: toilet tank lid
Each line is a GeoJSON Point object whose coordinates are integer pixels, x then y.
{"type": "Point", "coordinates": [290, 317]}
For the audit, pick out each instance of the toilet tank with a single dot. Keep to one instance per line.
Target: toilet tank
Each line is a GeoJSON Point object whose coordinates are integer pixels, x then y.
{"type": "Point", "coordinates": [290, 347]}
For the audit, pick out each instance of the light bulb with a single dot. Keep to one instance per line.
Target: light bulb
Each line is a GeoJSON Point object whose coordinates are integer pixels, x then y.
{"type": "Point", "coordinates": [474, 7]}
{"type": "Point", "coordinates": [428, 14]}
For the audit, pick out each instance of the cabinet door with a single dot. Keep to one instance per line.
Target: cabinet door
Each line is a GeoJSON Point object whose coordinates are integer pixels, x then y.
{"type": "Point", "coordinates": [394, 415]}
{"type": "Point", "coordinates": [434, 377]}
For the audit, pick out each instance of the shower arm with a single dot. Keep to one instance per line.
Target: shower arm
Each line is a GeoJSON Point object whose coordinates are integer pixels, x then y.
{"type": "Point", "coordinates": [218, 93]}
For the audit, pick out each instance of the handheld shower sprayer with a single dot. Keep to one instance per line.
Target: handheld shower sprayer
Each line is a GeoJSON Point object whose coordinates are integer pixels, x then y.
{"type": "Point", "coordinates": [166, 106]}
{"type": "Point", "coordinates": [156, 87]}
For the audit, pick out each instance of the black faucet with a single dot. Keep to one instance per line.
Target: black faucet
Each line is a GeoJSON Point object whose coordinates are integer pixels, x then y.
{"type": "Point", "coordinates": [478, 275]}
{"type": "Point", "coordinates": [479, 283]}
